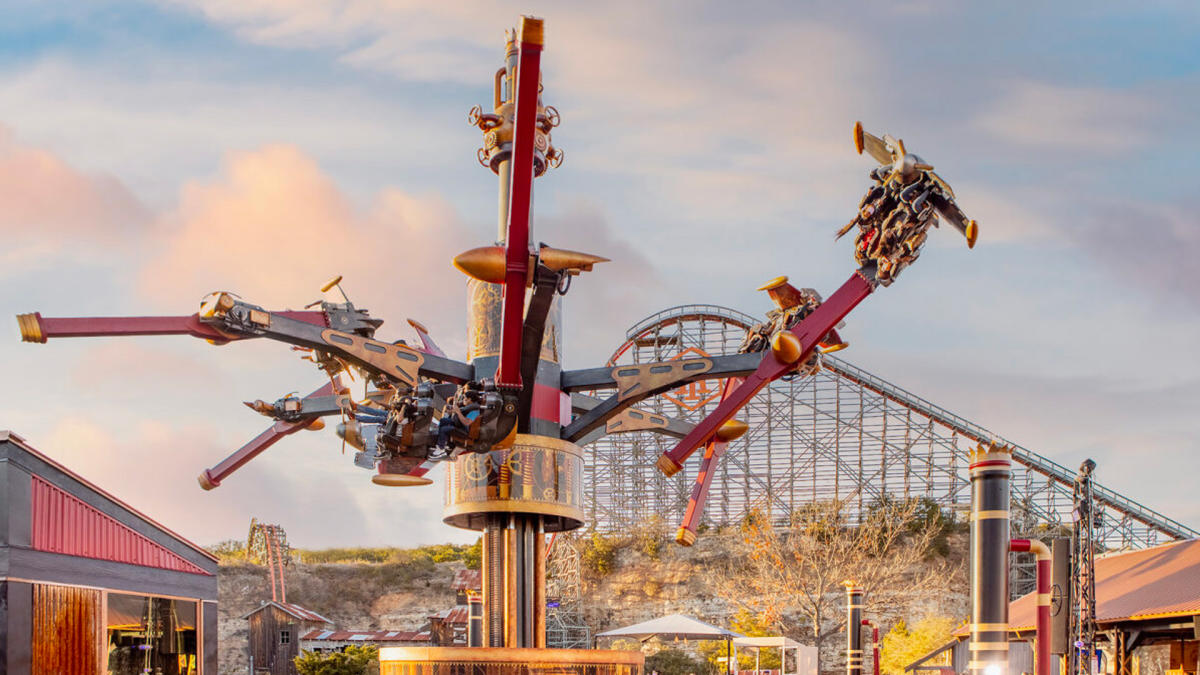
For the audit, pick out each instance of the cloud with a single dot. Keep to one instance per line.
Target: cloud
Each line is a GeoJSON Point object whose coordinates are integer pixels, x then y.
{"type": "Point", "coordinates": [1153, 246]}
{"type": "Point", "coordinates": [153, 467]}
{"type": "Point", "coordinates": [45, 199]}
{"type": "Point", "coordinates": [1087, 120]}
{"type": "Point", "coordinates": [611, 297]}
{"type": "Point", "coordinates": [273, 228]}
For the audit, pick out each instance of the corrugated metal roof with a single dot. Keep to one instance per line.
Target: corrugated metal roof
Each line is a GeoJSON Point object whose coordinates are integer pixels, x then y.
{"type": "Point", "coordinates": [293, 610]}
{"type": "Point", "coordinates": [19, 441]}
{"type": "Point", "coordinates": [366, 636]}
{"type": "Point", "coordinates": [467, 580]}
{"type": "Point", "coordinates": [63, 523]}
{"type": "Point", "coordinates": [1151, 583]}
{"type": "Point", "coordinates": [455, 615]}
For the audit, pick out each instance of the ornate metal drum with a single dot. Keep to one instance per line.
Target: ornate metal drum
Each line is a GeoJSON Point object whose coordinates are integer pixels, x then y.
{"type": "Point", "coordinates": [538, 475]}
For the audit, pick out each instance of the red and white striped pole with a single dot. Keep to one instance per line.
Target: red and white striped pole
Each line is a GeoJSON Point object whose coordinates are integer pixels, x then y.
{"type": "Point", "coordinates": [1042, 664]}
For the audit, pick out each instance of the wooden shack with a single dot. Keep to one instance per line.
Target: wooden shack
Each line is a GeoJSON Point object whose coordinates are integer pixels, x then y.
{"type": "Point", "coordinates": [275, 632]}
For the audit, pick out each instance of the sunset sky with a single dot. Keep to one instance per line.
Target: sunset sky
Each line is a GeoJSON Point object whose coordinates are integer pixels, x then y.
{"type": "Point", "coordinates": [153, 152]}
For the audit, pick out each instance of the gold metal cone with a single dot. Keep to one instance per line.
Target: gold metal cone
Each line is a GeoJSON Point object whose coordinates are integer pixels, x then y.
{"type": "Point", "coordinates": [562, 259]}
{"type": "Point", "coordinates": [485, 263]}
{"type": "Point", "coordinates": [732, 430]}
{"type": "Point", "coordinates": [399, 480]}
{"type": "Point", "coordinates": [786, 347]}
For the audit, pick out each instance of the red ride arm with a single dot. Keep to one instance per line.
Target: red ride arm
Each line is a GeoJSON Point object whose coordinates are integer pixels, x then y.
{"type": "Point", "coordinates": [37, 328]}
{"type": "Point", "coordinates": [516, 267]}
{"type": "Point", "coordinates": [686, 534]}
{"type": "Point", "coordinates": [211, 478]}
{"type": "Point", "coordinates": [810, 331]}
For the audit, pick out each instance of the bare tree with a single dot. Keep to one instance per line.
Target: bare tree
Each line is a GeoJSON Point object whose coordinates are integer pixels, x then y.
{"type": "Point", "coordinates": [797, 569]}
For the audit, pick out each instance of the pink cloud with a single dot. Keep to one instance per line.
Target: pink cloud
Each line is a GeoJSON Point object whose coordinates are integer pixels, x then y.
{"type": "Point", "coordinates": [45, 199]}
{"type": "Point", "coordinates": [273, 227]}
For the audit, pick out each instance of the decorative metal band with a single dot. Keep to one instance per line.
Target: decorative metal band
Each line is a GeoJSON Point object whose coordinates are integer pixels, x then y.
{"type": "Point", "coordinates": [537, 475]}
{"type": "Point", "coordinates": [1043, 599]}
{"type": "Point", "coordinates": [982, 627]}
{"type": "Point", "coordinates": [998, 466]}
{"type": "Point", "coordinates": [855, 606]}
{"type": "Point", "coordinates": [987, 515]}
{"type": "Point", "coordinates": [854, 651]}
{"type": "Point", "coordinates": [988, 646]}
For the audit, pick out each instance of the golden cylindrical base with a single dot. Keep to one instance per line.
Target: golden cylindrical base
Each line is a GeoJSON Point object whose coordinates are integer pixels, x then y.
{"type": "Point", "coordinates": [507, 661]}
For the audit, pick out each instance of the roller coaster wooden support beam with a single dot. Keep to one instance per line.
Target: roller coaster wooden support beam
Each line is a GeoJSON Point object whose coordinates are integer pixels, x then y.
{"type": "Point", "coordinates": [790, 349]}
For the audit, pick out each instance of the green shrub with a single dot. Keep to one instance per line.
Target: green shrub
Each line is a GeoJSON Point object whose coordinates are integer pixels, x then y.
{"type": "Point", "coordinates": [676, 662]}
{"type": "Point", "coordinates": [599, 554]}
{"type": "Point", "coordinates": [354, 661]}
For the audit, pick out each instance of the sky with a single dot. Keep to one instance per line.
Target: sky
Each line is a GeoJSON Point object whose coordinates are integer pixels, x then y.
{"type": "Point", "coordinates": [153, 152]}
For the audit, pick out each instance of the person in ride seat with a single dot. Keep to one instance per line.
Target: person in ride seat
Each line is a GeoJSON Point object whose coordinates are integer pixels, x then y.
{"type": "Point", "coordinates": [459, 412]}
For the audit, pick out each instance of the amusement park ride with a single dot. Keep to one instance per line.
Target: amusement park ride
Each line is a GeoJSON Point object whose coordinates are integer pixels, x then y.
{"type": "Point", "coordinates": [504, 420]}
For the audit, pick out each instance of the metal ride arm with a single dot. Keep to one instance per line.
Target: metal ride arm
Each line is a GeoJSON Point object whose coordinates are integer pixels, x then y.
{"type": "Point", "coordinates": [516, 266]}
{"type": "Point", "coordinates": [302, 419]}
{"type": "Point", "coordinates": [789, 349]}
{"type": "Point", "coordinates": [37, 328]}
{"type": "Point", "coordinates": [639, 382]}
{"type": "Point", "coordinates": [627, 420]}
{"type": "Point", "coordinates": [230, 319]}
{"type": "Point", "coordinates": [713, 450]}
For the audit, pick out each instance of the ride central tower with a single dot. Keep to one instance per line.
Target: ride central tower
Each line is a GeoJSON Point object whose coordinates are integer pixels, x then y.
{"type": "Point", "coordinates": [514, 495]}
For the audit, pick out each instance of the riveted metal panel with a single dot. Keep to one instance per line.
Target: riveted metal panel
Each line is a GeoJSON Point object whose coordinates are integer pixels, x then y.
{"type": "Point", "coordinates": [67, 630]}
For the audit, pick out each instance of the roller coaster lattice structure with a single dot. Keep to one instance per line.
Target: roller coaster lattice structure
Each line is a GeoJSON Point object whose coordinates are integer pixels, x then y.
{"type": "Point", "coordinates": [840, 434]}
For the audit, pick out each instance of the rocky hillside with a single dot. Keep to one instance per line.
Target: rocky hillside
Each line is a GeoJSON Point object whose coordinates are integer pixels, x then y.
{"type": "Point", "coordinates": [381, 596]}
{"type": "Point", "coordinates": [643, 583]}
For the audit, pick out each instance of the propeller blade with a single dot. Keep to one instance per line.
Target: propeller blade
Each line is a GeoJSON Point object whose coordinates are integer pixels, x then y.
{"type": "Point", "coordinates": [872, 144]}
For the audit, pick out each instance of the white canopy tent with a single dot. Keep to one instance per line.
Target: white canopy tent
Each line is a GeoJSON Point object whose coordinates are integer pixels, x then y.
{"type": "Point", "coordinates": [674, 625]}
{"type": "Point", "coordinates": [677, 626]}
{"type": "Point", "coordinates": [805, 656]}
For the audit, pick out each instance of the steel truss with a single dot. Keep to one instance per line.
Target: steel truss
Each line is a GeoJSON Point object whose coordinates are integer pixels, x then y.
{"type": "Point", "coordinates": [841, 434]}
{"type": "Point", "coordinates": [565, 627]}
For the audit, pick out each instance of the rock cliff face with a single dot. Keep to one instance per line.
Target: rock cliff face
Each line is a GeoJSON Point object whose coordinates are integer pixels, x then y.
{"type": "Point", "coordinates": [383, 596]}
{"type": "Point", "coordinates": [683, 580]}
{"type": "Point", "coordinates": [399, 596]}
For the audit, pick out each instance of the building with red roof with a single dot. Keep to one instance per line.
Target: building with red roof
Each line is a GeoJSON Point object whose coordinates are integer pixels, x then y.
{"type": "Point", "coordinates": [89, 584]}
{"type": "Point", "coordinates": [1143, 598]}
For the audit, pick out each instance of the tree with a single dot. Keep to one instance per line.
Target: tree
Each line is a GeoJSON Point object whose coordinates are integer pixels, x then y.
{"type": "Point", "coordinates": [798, 568]}
{"type": "Point", "coordinates": [901, 646]}
{"type": "Point", "coordinates": [354, 661]}
{"type": "Point", "coordinates": [751, 625]}
{"type": "Point", "coordinates": [675, 662]}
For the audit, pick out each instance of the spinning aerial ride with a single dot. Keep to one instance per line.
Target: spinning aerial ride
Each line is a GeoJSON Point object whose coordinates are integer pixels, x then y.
{"type": "Point", "coordinates": [507, 420]}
